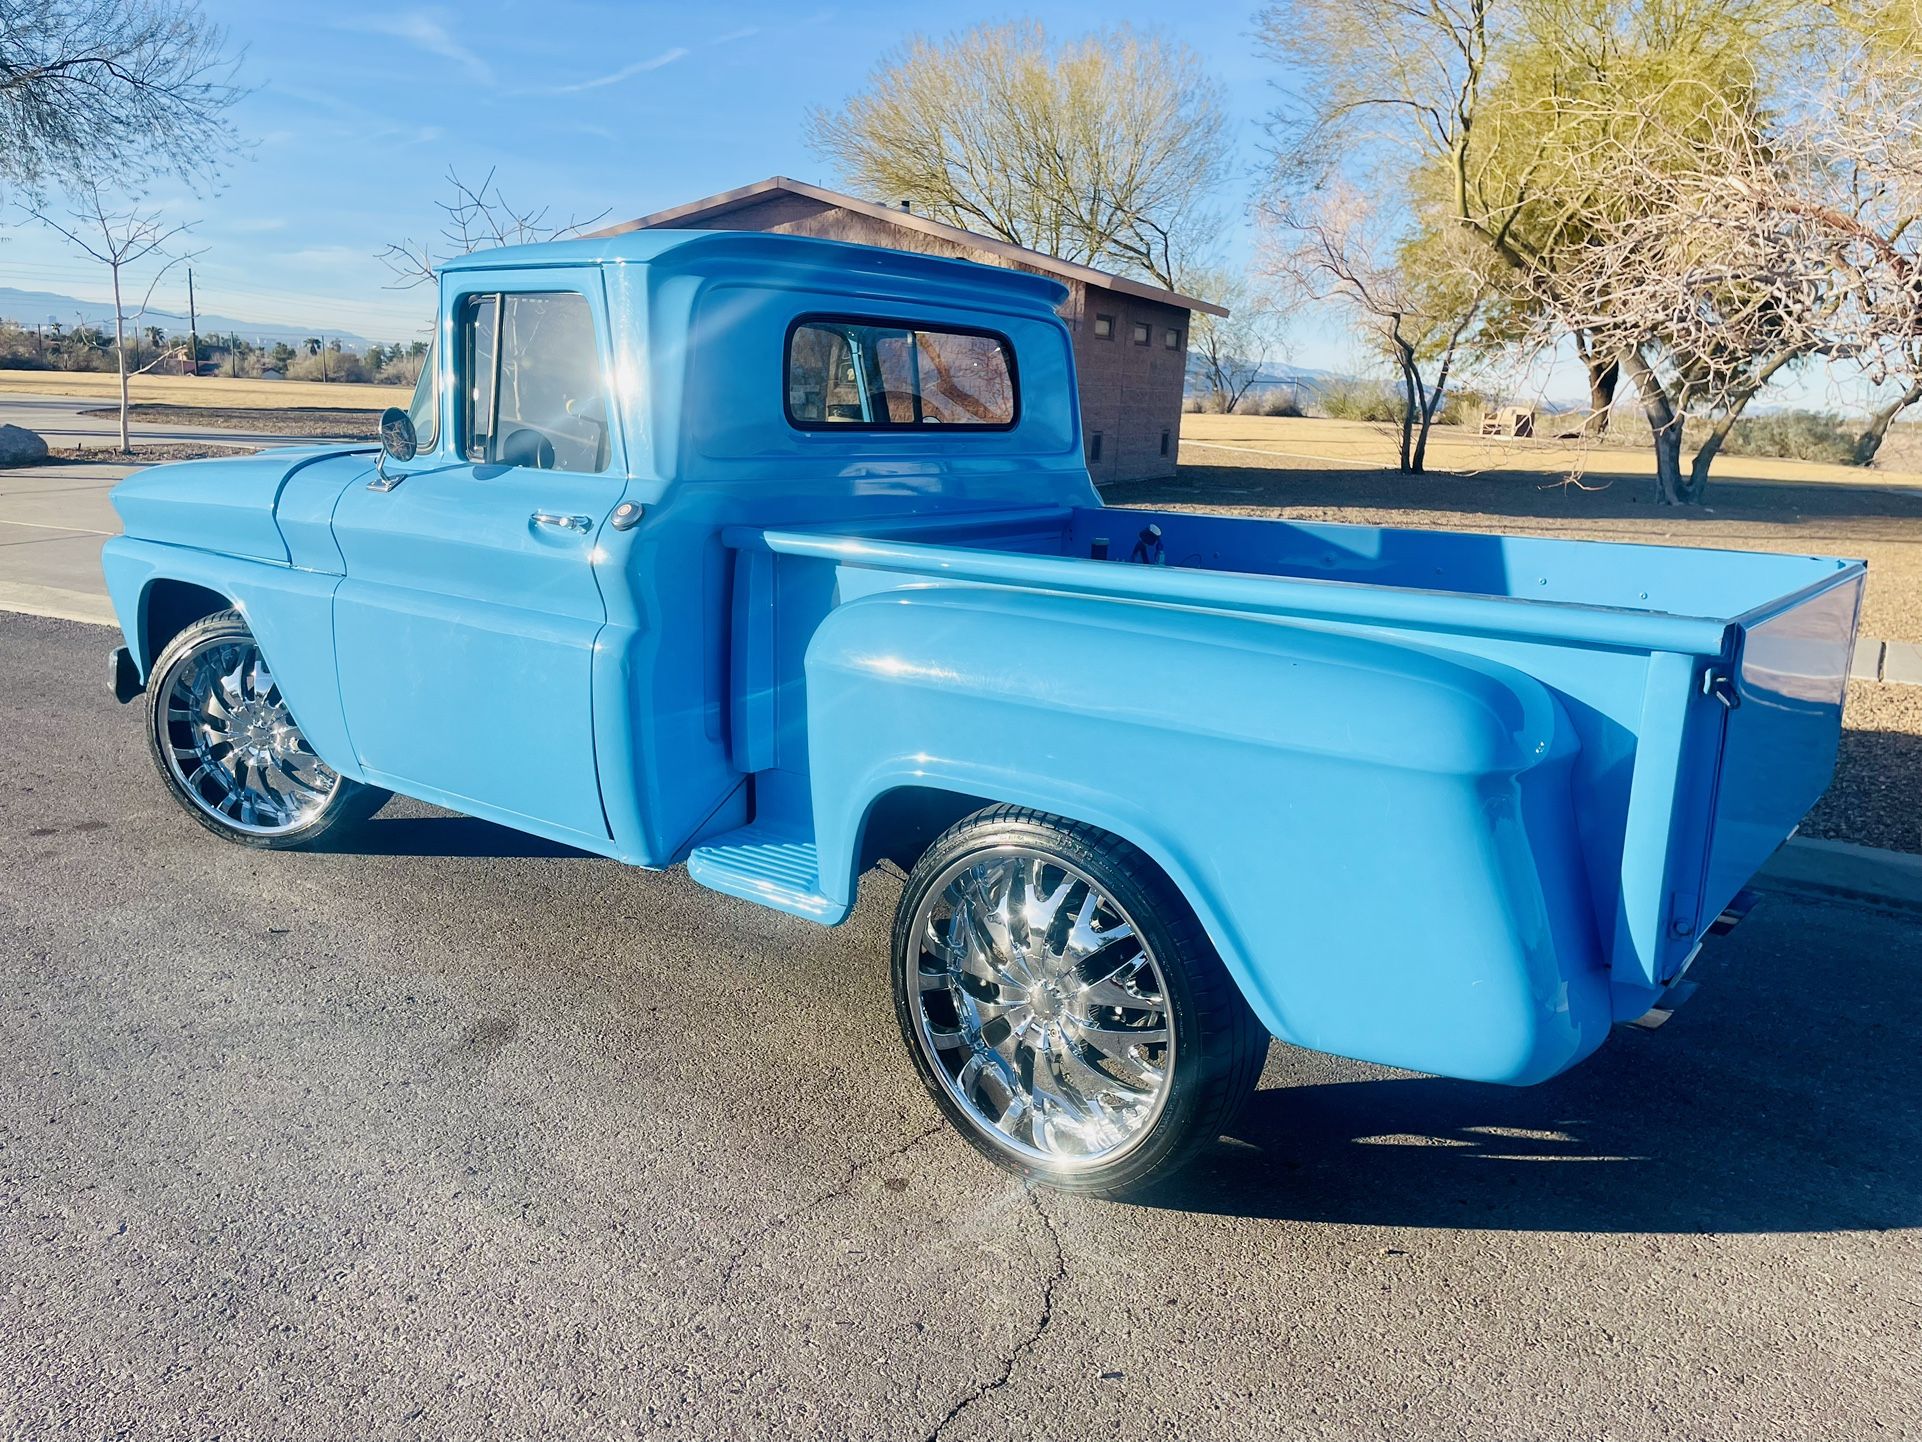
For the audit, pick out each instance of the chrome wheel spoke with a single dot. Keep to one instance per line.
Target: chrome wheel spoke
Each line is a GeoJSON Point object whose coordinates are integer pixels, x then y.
{"type": "Point", "coordinates": [1042, 1009]}
{"type": "Point", "coordinates": [226, 736]}
{"type": "Point", "coordinates": [1120, 989]}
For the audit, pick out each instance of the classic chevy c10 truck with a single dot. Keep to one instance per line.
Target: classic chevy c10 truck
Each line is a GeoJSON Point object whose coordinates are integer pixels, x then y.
{"type": "Point", "coordinates": [780, 558]}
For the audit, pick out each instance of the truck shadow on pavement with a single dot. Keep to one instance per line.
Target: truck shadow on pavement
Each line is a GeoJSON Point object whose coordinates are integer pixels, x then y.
{"type": "Point", "coordinates": [443, 834]}
{"type": "Point", "coordinates": [1762, 1107]}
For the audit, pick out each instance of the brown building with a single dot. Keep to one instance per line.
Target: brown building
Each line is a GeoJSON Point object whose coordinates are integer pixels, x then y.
{"type": "Point", "coordinates": [1130, 338]}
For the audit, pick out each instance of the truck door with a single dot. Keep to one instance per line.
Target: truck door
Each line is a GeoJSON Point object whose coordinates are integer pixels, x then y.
{"type": "Point", "coordinates": [466, 624]}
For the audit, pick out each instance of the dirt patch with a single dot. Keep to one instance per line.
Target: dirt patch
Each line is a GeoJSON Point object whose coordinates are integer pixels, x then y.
{"type": "Point", "coordinates": [157, 453]}
{"type": "Point", "coordinates": [323, 424]}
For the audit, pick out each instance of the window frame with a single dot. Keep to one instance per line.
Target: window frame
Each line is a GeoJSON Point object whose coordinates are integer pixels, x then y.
{"type": "Point", "coordinates": [463, 304]}
{"type": "Point", "coordinates": [1171, 337]}
{"type": "Point", "coordinates": [462, 372]}
{"type": "Point", "coordinates": [1144, 332]}
{"type": "Point", "coordinates": [899, 428]}
{"type": "Point", "coordinates": [1099, 333]}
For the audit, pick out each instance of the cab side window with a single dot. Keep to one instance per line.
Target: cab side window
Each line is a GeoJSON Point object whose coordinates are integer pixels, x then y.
{"type": "Point", "coordinates": [881, 376]}
{"type": "Point", "coordinates": [531, 388]}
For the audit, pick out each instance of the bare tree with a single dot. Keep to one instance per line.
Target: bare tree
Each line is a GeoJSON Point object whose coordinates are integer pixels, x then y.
{"type": "Point", "coordinates": [141, 84]}
{"type": "Point", "coordinates": [478, 217]}
{"type": "Point", "coordinates": [126, 240]}
{"type": "Point", "coordinates": [1230, 351]}
{"type": "Point", "coordinates": [1107, 150]}
{"type": "Point", "coordinates": [1338, 245]}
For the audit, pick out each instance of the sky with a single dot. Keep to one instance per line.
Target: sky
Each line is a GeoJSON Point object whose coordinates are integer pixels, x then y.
{"type": "Point", "coordinates": [357, 111]}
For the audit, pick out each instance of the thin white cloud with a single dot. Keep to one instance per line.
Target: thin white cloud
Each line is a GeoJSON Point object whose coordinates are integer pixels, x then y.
{"type": "Point", "coordinates": [325, 255]}
{"type": "Point", "coordinates": [428, 29]}
{"type": "Point", "coordinates": [746, 32]}
{"type": "Point", "coordinates": [626, 72]}
{"type": "Point", "coordinates": [257, 226]}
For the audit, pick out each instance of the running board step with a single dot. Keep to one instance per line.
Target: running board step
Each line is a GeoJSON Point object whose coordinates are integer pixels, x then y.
{"type": "Point", "coordinates": [775, 868]}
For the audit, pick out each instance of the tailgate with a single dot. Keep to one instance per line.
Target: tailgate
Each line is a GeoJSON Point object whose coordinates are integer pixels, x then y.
{"type": "Point", "coordinates": [1779, 739]}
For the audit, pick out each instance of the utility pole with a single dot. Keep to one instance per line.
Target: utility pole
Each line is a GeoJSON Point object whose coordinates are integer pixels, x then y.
{"type": "Point", "coordinates": [323, 359]}
{"type": "Point", "coordinates": [193, 328]}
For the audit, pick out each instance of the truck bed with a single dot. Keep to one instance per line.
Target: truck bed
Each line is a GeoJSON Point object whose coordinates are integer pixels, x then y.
{"type": "Point", "coordinates": [1700, 689]}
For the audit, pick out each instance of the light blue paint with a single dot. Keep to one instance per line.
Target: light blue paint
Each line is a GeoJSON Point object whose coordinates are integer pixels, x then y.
{"type": "Point", "coordinates": [1444, 801]}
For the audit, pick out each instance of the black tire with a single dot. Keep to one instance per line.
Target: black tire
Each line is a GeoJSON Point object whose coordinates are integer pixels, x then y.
{"type": "Point", "coordinates": [347, 804]}
{"type": "Point", "coordinates": [1217, 1044]}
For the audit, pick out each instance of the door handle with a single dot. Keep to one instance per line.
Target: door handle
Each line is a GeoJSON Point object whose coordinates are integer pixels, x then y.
{"type": "Point", "coordinates": [583, 524]}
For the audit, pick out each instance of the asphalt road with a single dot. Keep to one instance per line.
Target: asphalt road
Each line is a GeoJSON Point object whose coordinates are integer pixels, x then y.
{"type": "Point", "coordinates": [60, 421]}
{"type": "Point", "coordinates": [456, 1134]}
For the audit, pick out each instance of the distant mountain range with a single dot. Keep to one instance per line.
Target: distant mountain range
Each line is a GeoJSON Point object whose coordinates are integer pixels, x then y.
{"type": "Point", "coordinates": [1307, 383]}
{"type": "Point", "coordinates": [36, 307]}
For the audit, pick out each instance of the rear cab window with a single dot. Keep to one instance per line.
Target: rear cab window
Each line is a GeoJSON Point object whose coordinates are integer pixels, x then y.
{"type": "Point", "coordinates": [532, 391]}
{"type": "Point", "coordinates": [883, 375]}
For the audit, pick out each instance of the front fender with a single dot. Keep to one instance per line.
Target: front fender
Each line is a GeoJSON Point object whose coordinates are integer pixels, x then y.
{"type": "Point", "coordinates": [289, 611]}
{"type": "Point", "coordinates": [1377, 836]}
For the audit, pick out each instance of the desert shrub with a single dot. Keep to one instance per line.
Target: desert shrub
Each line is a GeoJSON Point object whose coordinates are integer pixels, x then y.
{"type": "Point", "coordinates": [1277, 401]}
{"type": "Point", "coordinates": [1795, 436]}
{"type": "Point", "coordinates": [1462, 408]}
{"type": "Point", "coordinates": [341, 366]}
{"type": "Point", "coordinates": [400, 370]}
{"type": "Point", "coordinates": [1359, 401]}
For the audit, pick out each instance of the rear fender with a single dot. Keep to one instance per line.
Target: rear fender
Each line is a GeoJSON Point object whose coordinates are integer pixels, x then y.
{"type": "Point", "coordinates": [1376, 836]}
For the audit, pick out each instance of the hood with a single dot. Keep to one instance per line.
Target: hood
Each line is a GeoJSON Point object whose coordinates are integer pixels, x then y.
{"type": "Point", "coordinates": [224, 505]}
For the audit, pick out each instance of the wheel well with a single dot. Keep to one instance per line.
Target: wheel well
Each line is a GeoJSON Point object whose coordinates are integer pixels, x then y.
{"type": "Point", "coordinates": [171, 607]}
{"type": "Point", "coordinates": [902, 823]}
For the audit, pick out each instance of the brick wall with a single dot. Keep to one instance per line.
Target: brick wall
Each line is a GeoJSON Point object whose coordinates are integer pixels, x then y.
{"type": "Point", "coordinates": [1130, 393]}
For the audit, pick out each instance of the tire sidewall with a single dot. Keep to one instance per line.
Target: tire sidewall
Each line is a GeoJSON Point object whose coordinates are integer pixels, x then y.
{"type": "Point", "coordinates": [1169, 936]}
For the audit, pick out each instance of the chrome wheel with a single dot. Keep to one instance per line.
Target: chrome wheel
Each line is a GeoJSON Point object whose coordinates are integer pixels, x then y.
{"type": "Point", "coordinates": [1042, 1009]}
{"type": "Point", "coordinates": [228, 740]}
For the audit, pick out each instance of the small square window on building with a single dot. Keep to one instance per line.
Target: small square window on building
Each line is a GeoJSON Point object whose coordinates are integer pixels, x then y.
{"type": "Point", "coordinates": [1142, 332]}
{"type": "Point", "coordinates": [1094, 446]}
{"type": "Point", "coordinates": [1171, 338]}
{"type": "Point", "coordinates": [1164, 443]}
{"type": "Point", "coordinates": [1104, 327]}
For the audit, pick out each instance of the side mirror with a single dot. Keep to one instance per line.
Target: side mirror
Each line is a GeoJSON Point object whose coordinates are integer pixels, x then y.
{"type": "Point", "coordinates": [397, 437]}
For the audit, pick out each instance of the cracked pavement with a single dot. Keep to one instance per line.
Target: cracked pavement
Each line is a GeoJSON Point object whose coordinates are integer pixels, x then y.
{"type": "Point", "coordinates": [459, 1134]}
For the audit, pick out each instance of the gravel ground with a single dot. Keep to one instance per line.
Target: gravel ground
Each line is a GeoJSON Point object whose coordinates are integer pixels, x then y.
{"type": "Point", "coordinates": [286, 420]}
{"type": "Point", "coordinates": [1880, 524]}
{"type": "Point", "coordinates": [1876, 799]}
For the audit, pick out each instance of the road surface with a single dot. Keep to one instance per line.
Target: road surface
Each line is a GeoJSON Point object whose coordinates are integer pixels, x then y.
{"type": "Point", "coordinates": [60, 421]}
{"type": "Point", "coordinates": [452, 1133]}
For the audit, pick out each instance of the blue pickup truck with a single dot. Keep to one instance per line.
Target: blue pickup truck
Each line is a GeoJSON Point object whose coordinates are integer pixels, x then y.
{"type": "Point", "coordinates": [780, 558]}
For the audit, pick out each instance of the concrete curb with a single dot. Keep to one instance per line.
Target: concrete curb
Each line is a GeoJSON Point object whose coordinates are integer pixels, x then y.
{"type": "Point", "coordinates": [1843, 871]}
{"type": "Point", "coordinates": [57, 602]}
{"type": "Point", "coordinates": [1896, 663]}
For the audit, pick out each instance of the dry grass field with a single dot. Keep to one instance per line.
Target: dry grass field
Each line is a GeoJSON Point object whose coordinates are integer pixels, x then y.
{"type": "Point", "coordinates": [1210, 439]}
{"type": "Point", "coordinates": [216, 391]}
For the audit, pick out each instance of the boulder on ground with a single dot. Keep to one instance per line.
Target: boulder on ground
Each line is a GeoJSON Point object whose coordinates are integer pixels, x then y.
{"type": "Point", "coordinates": [20, 446]}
